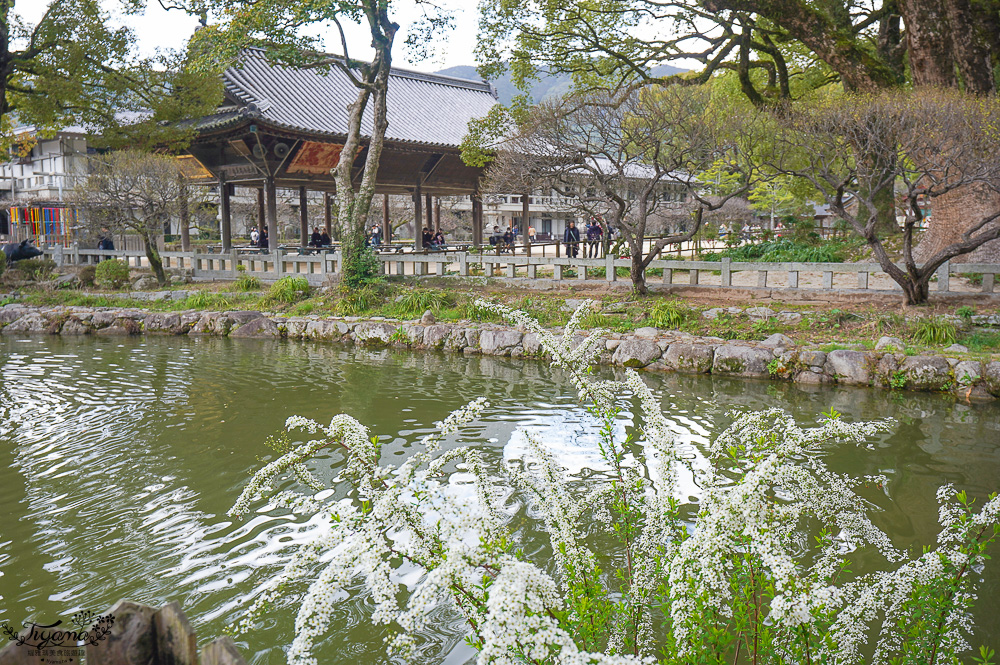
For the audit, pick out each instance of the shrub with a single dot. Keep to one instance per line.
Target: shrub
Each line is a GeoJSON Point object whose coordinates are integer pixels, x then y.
{"type": "Point", "coordinates": [417, 301]}
{"type": "Point", "coordinates": [35, 269]}
{"type": "Point", "coordinates": [764, 559]}
{"type": "Point", "coordinates": [112, 274]}
{"type": "Point", "coordinates": [360, 300]}
{"type": "Point", "coordinates": [932, 331]}
{"type": "Point", "coordinates": [965, 312]}
{"type": "Point", "coordinates": [670, 314]}
{"type": "Point", "coordinates": [87, 275]}
{"type": "Point", "coordinates": [289, 289]}
{"type": "Point", "coordinates": [245, 282]}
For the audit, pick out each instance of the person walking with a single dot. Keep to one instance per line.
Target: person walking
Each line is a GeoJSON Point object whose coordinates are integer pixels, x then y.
{"type": "Point", "coordinates": [572, 239]}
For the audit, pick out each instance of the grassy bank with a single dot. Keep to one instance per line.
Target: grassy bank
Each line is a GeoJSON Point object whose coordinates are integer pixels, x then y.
{"type": "Point", "coordinates": [834, 327]}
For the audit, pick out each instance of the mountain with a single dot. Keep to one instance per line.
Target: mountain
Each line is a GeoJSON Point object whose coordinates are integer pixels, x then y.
{"type": "Point", "coordinates": [548, 85]}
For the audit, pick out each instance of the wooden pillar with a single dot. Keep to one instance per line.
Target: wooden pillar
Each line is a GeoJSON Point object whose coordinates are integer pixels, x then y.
{"type": "Point", "coordinates": [386, 222]}
{"type": "Point", "coordinates": [429, 207]}
{"type": "Point", "coordinates": [225, 214]}
{"type": "Point", "coordinates": [526, 221]}
{"type": "Point", "coordinates": [271, 210]}
{"type": "Point", "coordinates": [185, 215]}
{"type": "Point", "coordinates": [261, 211]}
{"type": "Point", "coordinates": [418, 216]}
{"type": "Point", "coordinates": [437, 214]}
{"type": "Point", "coordinates": [303, 217]}
{"type": "Point", "coordinates": [477, 218]}
{"type": "Point", "coordinates": [327, 214]}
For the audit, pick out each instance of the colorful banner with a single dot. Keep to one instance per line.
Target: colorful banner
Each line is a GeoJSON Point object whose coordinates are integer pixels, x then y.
{"type": "Point", "coordinates": [53, 225]}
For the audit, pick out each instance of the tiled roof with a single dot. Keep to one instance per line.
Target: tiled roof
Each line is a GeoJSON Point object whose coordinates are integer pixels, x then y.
{"type": "Point", "coordinates": [422, 108]}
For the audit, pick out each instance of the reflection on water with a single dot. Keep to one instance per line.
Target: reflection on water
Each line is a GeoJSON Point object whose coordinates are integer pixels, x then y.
{"type": "Point", "coordinates": [121, 457]}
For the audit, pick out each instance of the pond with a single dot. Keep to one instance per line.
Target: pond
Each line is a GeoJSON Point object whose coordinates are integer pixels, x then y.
{"type": "Point", "coordinates": [122, 456]}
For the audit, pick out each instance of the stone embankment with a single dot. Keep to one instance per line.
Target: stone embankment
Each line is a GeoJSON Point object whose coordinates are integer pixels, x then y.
{"type": "Point", "coordinates": [778, 357]}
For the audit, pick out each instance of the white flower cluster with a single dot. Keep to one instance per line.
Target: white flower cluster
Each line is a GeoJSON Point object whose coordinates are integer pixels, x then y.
{"type": "Point", "coordinates": [741, 572]}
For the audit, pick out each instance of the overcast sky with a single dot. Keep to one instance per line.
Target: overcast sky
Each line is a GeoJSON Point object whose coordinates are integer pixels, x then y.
{"type": "Point", "coordinates": [161, 29]}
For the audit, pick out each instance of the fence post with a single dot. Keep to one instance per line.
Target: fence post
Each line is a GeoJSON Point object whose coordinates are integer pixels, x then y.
{"type": "Point", "coordinates": [944, 277]}
{"type": "Point", "coordinates": [828, 279]}
{"type": "Point", "coordinates": [557, 270]}
{"type": "Point", "coordinates": [668, 275]}
{"type": "Point", "coordinates": [609, 268]}
{"type": "Point", "coordinates": [863, 280]}
{"type": "Point", "coordinates": [277, 257]}
{"type": "Point", "coordinates": [727, 271]}
{"type": "Point", "coordinates": [793, 279]}
{"type": "Point", "coordinates": [694, 274]}
{"type": "Point", "coordinates": [988, 282]}
{"type": "Point", "coordinates": [463, 264]}
{"type": "Point", "coordinates": [762, 279]}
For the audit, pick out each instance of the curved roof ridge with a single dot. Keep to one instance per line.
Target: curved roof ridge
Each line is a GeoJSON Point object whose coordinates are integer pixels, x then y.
{"type": "Point", "coordinates": [402, 72]}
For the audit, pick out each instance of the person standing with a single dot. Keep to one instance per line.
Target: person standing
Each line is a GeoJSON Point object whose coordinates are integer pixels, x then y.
{"type": "Point", "coordinates": [594, 233]}
{"type": "Point", "coordinates": [262, 243]}
{"type": "Point", "coordinates": [572, 239]}
{"type": "Point", "coordinates": [254, 236]}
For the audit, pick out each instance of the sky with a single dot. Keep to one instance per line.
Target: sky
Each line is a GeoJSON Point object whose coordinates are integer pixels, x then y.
{"type": "Point", "coordinates": [161, 29]}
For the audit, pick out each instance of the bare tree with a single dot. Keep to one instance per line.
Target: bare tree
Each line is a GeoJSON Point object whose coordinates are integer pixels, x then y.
{"type": "Point", "coordinates": [616, 154]}
{"type": "Point", "coordinates": [133, 191]}
{"type": "Point", "coordinates": [937, 142]}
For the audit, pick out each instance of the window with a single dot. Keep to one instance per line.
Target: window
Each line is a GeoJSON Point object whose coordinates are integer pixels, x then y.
{"type": "Point", "coordinates": [547, 226]}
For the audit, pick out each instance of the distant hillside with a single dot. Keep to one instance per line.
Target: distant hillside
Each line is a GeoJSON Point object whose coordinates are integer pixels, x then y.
{"type": "Point", "coordinates": [549, 85]}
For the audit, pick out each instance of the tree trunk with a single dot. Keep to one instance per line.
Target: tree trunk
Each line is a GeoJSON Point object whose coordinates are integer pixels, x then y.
{"type": "Point", "coordinates": [353, 208]}
{"type": "Point", "coordinates": [153, 256]}
{"type": "Point", "coordinates": [637, 271]}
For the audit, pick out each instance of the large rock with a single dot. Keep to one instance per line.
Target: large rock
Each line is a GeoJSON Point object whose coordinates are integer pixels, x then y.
{"type": "Point", "coordinates": [258, 327]}
{"type": "Point", "coordinates": [499, 342]}
{"type": "Point", "coordinates": [74, 326]}
{"type": "Point", "coordinates": [890, 344]}
{"type": "Point", "coordinates": [414, 333]}
{"type": "Point", "coordinates": [968, 372]}
{"type": "Point", "coordinates": [740, 360]}
{"type": "Point", "coordinates": [647, 333]}
{"type": "Point", "coordinates": [531, 344]}
{"type": "Point", "coordinates": [373, 332]}
{"type": "Point", "coordinates": [162, 322]}
{"type": "Point", "coordinates": [813, 358]}
{"type": "Point", "coordinates": [779, 340]}
{"type": "Point", "coordinates": [926, 372]}
{"type": "Point", "coordinates": [790, 318]}
{"type": "Point", "coordinates": [436, 336]}
{"type": "Point", "coordinates": [689, 357]}
{"type": "Point", "coordinates": [991, 377]}
{"type": "Point", "coordinates": [852, 367]}
{"type": "Point", "coordinates": [32, 322]}
{"type": "Point", "coordinates": [11, 313]}
{"type": "Point", "coordinates": [759, 313]}
{"type": "Point", "coordinates": [636, 353]}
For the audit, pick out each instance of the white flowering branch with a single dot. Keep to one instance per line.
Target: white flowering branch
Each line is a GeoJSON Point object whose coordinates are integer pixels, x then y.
{"type": "Point", "coordinates": [725, 580]}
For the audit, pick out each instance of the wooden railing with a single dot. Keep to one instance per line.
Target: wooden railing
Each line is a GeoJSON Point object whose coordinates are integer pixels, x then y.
{"type": "Point", "coordinates": [723, 274]}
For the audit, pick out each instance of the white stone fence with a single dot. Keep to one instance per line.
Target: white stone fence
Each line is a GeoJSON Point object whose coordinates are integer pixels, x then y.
{"type": "Point", "coordinates": [316, 268]}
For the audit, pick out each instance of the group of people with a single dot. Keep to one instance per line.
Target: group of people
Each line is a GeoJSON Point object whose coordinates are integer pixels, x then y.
{"type": "Point", "coordinates": [592, 235]}
{"type": "Point", "coordinates": [504, 241]}
{"type": "Point", "coordinates": [319, 239]}
{"type": "Point", "coordinates": [259, 238]}
{"type": "Point", "coordinates": [431, 240]}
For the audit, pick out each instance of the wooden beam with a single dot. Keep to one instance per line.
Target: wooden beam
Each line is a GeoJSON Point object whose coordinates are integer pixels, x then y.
{"type": "Point", "coordinates": [386, 222]}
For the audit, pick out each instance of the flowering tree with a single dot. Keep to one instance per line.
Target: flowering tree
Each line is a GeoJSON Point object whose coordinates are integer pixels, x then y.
{"type": "Point", "coordinates": [734, 582]}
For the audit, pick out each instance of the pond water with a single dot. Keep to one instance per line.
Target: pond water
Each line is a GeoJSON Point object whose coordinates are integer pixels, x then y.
{"type": "Point", "coordinates": [120, 458]}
